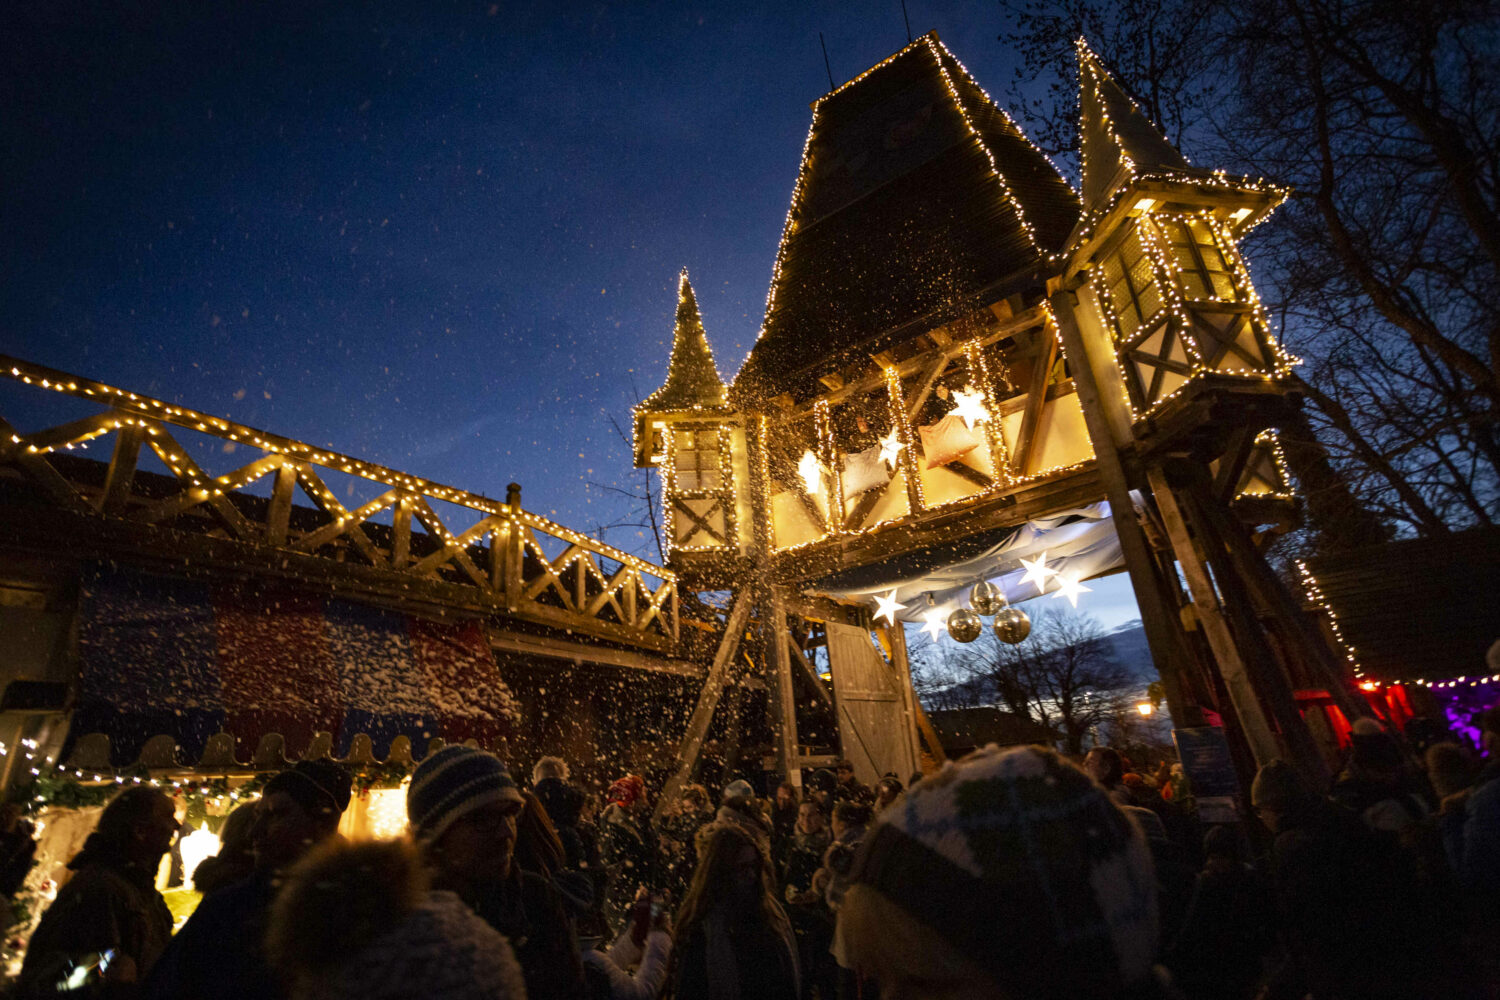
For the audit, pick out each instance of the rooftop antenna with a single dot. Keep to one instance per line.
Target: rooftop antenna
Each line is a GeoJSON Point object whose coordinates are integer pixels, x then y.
{"type": "Point", "coordinates": [831, 85]}
{"type": "Point", "coordinates": [907, 19]}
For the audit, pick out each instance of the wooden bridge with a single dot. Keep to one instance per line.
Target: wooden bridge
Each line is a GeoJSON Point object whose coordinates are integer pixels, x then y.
{"type": "Point", "coordinates": [542, 588]}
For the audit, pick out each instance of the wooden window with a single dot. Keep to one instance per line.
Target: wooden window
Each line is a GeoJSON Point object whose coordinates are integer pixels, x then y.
{"type": "Point", "coordinates": [696, 458]}
{"type": "Point", "coordinates": [1131, 284]}
{"type": "Point", "coordinates": [1205, 272]}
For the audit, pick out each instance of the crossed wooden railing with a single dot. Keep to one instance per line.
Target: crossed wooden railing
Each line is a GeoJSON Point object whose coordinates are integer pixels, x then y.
{"type": "Point", "coordinates": [498, 564]}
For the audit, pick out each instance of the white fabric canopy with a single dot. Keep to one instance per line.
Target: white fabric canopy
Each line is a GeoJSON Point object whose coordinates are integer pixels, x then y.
{"type": "Point", "coordinates": [1084, 547]}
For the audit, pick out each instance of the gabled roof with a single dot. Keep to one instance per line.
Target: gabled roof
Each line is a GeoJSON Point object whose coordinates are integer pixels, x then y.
{"type": "Point", "coordinates": [692, 378]}
{"type": "Point", "coordinates": [1115, 132]}
{"type": "Point", "coordinates": [918, 201]}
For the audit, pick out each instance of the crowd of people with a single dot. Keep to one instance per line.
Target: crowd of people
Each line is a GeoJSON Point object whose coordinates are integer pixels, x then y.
{"type": "Point", "coordinates": [1015, 874]}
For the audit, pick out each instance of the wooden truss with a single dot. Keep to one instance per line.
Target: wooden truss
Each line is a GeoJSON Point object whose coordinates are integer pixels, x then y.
{"type": "Point", "coordinates": [509, 561]}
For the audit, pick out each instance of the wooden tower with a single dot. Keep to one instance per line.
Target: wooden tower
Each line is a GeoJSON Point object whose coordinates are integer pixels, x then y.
{"type": "Point", "coordinates": [957, 344]}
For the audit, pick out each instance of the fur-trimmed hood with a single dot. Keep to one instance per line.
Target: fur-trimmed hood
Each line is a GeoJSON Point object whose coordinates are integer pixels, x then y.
{"type": "Point", "coordinates": [357, 921]}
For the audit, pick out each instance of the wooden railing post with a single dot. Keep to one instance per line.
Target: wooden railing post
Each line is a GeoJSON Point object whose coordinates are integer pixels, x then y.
{"type": "Point", "coordinates": [121, 469]}
{"type": "Point", "coordinates": [514, 550]}
{"type": "Point", "coordinates": [278, 516]}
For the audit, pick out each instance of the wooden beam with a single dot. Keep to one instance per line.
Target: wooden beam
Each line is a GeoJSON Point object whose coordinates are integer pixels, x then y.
{"type": "Point", "coordinates": [1102, 401]}
{"type": "Point", "coordinates": [121, 475]}
{"type": "Point", "coordinates": [783, 700]}
{"type": "Point", "coordinates": [973, 475]}
{"type": "Point", "coordinates": [1232, 463]}
{"type": "Point", "coordinates": [708, 699]}
{"type": "Point", "coordinates": [810, 675]}
{"type": "Point", "coordinates": [1210, 614]}
{"type": "Point", "coordinates": [279, 513]}
{"type": "Point", "coordinates": [919, 722]}
{"type": "Point", "coordinates": [915, 404]}
{"type": "Point", "coordinates": [41, 472]}
{"type": "Point", "coordinates": [580, 653]}
{"type": "Point", "coordinates": [1036, 398]}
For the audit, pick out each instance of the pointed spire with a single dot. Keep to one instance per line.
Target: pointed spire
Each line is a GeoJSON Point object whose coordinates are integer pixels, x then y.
{"type": "Point", "coordinates": [692, 378]}
{"type": "Point", "coordinates": [1115, 133]}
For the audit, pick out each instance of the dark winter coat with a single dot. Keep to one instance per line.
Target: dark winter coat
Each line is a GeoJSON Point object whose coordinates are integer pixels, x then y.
{"type": "Point", "coordinates": [219, 952]}
{"type": "Point", "coordinates": [109, 904]}
{"type": "Point", "coordinates": [764, 966]}
{"type": "Point", "coordinates": [1353, 913]}
{"type": "Point", "coordinates": [528, 910]}
{"type": "Point", "coordinates": [1471, 836]}
{"type": "Point", "coordinates": [563, 803]}
{"type": "Point", "coordinates": [804, 854]}
{"type": "Point", "coordinates": [628, 850]}
{"type": "Point", "coordinates": [1226, 934]}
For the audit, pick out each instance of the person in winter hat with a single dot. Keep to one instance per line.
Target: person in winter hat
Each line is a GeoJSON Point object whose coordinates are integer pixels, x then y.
{"type": "Point", "coordinates": [563, 803]}
{"type": "Point", "coordinates": [549, 768]}
{"type": "Point", "coordinates": [1008, 874]}
{"type": "Point", "coordinates": [359, 923]}
{"type": "Point", "coordinates": [463, 808]}
{"type": "Point", "coordinates": [627, 845]}
{"type": "Point", "coordinates": [111, 902]}
{"type": "Point", "coordinates": [1377, 784]}
{"type": "Point", "coordinates": [219, 951]}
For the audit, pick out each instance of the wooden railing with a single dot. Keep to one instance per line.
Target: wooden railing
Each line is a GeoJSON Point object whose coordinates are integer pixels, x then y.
{"type": "Point", "coordinates": [500, 563]}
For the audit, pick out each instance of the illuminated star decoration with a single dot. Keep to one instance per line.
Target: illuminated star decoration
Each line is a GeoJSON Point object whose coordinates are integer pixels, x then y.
{"type": "Point", "coordinates": [969, 405]}
{"type": "Point", "coordinates": [811, 471]}
{"type": "Point", "coordinates": [1069, 586]}
{"type": "Point", "coordinates": [887, 606]}
{"type": "Point", "coordinates": [1037, 572]}
{"type": "Point", "coordinates": [890, 449]}
{"type": "Point", "coordinates": [937, 625]}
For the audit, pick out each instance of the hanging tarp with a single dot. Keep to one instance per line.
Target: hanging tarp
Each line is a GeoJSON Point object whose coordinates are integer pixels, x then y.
{"type": "Point", "coordinates": [162, 655]}
{"type": "Point", "coordinates": [1080, 542]}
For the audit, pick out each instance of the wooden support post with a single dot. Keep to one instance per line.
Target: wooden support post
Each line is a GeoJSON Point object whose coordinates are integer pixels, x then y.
{"type": "Point", "coordinates": [121, 469]}
{"type": "Point", "coordinates": [1036, 398]}
{"type": "Point", "coordinates": [515, 551]}
{"type": "Point", "coordinates": [1210, 616]}
{"type": "Point", "coordinates": [907, 460]}
{"type": "Point", "coordinates": [916, 718]}
{"type": "Point", "coordinates": [779, 682]}
{"type": "Point", "coordinates": [1266, 671]}
{"type": "Point", "coordinates": [1170, 651]}
{"type": "Point", "coordinates": [708, 698]}
{"type": "Point", "coordinates": [1271, 593]}
{"type": "Point", "coordinates": [279, 514]}
{"type": "Point", "coordinates": [401, 534]}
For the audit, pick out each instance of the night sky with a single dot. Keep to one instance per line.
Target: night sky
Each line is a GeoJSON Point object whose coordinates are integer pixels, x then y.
{"type": "Point", "coordinates": [440, 236]}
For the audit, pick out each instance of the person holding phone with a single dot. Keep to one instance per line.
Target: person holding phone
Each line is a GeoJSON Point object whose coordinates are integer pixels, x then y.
{"type": "Point", "coordinates": [645, 944]}
{"type": "Point", "coordinates": [108, 925]}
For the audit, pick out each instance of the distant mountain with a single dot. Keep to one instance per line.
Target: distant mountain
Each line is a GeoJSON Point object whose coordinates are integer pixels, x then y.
{"type": "Point", "coordinates": [1128, 647]}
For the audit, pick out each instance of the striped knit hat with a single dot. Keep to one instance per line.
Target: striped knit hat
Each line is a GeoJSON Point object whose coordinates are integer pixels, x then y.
{"type": "Point", "coordinates": [452, 783]}
{"type": "Point", "coordinates": [1026, 867]}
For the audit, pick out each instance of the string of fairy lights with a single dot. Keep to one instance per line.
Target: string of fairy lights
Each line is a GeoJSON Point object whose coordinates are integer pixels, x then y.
{"type": "Point", "coordinates": [405, 493]}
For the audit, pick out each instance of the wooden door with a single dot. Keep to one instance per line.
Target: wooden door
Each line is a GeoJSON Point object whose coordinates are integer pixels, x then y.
{"type": "Point", "coordinates": [873, 699]}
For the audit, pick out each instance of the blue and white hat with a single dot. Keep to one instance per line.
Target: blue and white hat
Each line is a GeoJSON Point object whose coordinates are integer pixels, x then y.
{"type": "Point", "coordinates": [1027, 867]}
{"type": "Point", "coordinates": [452, 783]}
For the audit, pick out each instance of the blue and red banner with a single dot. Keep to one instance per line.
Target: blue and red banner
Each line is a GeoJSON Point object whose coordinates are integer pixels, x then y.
{"type": "Point", "coordinates": [187, 658]}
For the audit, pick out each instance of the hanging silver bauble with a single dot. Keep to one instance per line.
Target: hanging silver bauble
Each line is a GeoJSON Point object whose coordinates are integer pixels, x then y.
{"type": "Point", "coordinates": [986, 598]}
{"type": "Point", "coordinates": [1012, 626]}
{"type": "Point", "coordinates": [964, 625]}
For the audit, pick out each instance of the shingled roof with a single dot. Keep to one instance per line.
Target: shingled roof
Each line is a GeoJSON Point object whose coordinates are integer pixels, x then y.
{"type": "Point", "coordinates": [1115, 132]}
{"type": "Point", "coordinates": [692, 378]}
{"type": "Point", "coordinates": [918, 201]}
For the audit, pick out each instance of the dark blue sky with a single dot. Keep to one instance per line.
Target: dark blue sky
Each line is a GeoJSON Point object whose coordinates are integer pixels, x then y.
{"type": "Point", "coordinates": [440, 236]}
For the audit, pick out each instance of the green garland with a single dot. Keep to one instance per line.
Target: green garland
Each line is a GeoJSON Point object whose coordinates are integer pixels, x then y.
{"type": "Point", "coordinates": [388, 775]}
